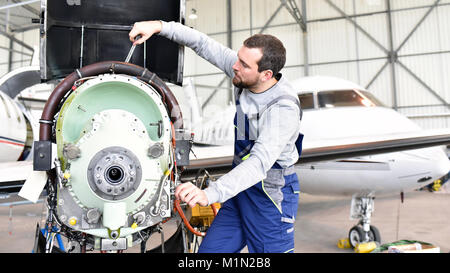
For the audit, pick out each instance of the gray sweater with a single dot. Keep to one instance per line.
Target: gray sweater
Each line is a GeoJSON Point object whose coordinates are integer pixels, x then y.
{"type": "Point", "coordinates": [277, 128]}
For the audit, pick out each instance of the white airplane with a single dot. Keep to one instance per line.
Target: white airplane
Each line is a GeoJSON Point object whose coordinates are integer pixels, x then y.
{"type": "Point", "coordinates": [338, 116]}
{"type": "Point", "coordinates": [13, 132]}
{"type": "Point", "coordinates": [19, 127]}
{"type": "Point", "coordinates": [353, 146]}
{"type": "Point", "coordinates": [15, 146]}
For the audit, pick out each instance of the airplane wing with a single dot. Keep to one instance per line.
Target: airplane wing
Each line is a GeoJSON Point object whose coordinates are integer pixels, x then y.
{"type": "Point", "coordinates": [363, 146]}
{"type": "Point", "coordinates": [219, 160]}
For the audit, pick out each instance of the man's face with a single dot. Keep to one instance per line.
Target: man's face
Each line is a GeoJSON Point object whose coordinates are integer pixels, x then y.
{"type": "Point", "coordinates": [245, 69]}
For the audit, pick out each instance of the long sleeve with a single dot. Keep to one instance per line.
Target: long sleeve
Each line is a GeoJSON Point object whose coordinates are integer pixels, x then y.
{"type": "Point", "coordinates": [207, 48]}
{"type": "Point", "coordinates": [279, 128]}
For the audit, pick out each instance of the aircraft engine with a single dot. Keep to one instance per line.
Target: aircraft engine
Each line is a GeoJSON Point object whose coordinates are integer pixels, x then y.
{"type": "Point", "coordinates": [114, 126]}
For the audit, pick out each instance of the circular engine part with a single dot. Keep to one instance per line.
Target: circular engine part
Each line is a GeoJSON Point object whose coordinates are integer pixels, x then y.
{"type": "Point", "coordinates": [114, 173]}
{"type": "Point", "coordinates": [102, 113]}
{"type": "Point", "coordinates": [96, 69]}
{"type": "Point", "coordinates": [156, 150]}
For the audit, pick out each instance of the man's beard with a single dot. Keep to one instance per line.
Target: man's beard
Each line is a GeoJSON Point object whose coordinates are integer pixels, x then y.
{"type": "Point", "coordinates": [241, 84]}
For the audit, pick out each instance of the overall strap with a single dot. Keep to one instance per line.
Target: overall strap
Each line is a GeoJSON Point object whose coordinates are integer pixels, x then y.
{"type": "Point", "coordinates": [272, 102]}
{"type": "Point", "coordinates": [299, 141]}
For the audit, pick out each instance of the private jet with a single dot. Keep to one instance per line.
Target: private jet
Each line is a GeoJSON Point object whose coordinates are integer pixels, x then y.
{"type": "Point", "coordinates": [353, 146]}
{"type": "Point", "coordinates": [19, 125]}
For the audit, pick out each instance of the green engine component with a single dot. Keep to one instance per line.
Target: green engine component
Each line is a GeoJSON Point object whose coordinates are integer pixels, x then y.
{"type": "Point", "coordinates": [113, 137]}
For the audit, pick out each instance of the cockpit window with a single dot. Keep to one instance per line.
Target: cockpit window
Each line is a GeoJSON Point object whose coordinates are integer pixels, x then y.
{"type": "Point", "coordinates": [372, 98]}
{"type": "Point", "coordinates": [306, 101]}
{"type": "Point", "coordinates": [343, 98]}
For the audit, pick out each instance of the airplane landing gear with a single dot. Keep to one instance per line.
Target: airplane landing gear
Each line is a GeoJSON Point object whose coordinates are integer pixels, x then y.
{"type": "Point", "coordinates": [357, 235]}
{"type": "Point", "coordinates": [362, 208]}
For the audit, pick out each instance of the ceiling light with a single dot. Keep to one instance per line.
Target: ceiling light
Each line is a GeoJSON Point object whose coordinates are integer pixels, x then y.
{"type": "Point", "coordinates": [193, 14]}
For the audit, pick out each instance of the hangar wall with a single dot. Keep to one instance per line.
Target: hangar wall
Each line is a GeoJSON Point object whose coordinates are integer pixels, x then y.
{"type": "Point", "coordinates": [398, 49]}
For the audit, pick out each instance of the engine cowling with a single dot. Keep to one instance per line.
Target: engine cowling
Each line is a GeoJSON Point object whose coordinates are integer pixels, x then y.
{"type": "Point", "coordinates": [113, 138]}
{"type": "Point", "coordinates": [119, 139]}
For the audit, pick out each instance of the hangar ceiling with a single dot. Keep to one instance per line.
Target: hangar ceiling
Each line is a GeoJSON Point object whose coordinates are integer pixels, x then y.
{"type": "Point", "coordinates": [16, 15]}
{"type": "Point", "coordinates": [396, 49]}
{"type": "Point", "coordinates": [397, 62]}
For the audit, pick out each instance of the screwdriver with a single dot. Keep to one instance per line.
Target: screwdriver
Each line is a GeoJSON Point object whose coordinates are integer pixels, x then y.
{"type": "Point", "coordinates": [132, 49]}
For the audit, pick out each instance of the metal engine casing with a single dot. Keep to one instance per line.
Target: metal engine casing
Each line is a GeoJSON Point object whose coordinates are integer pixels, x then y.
{"type": "Point", "coordinates": [114, 146]}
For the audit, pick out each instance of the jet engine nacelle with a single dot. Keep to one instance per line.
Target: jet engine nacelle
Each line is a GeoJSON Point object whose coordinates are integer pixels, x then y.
{"type": "Point", "coordinates": [115, 169]}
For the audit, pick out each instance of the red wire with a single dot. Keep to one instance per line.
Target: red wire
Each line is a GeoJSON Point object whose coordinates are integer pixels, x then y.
{"type": "Point", "coordinates": [214, 209]}
{"type": "Point", "coordinates": [186, 222]}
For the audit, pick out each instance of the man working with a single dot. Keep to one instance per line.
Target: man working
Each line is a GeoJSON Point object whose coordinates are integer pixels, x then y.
{"type": "Point", "coordinates": [260, 193]}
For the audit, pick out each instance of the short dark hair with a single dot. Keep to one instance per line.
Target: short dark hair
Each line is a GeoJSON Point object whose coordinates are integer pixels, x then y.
{"type": "Point", "coordinates": [273, 52]}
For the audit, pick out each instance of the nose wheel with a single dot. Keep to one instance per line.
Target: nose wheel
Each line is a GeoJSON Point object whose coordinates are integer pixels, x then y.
{"type": "Point", "coordinates": [361, 209]}
{"type": "Point", "coordinates": [357, 235]}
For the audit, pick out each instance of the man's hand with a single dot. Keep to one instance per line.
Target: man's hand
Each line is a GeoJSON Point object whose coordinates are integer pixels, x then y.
{"type": "Point", "coordinates": [189, 193]}
{"type": "Point", "coordinates": [146, 29]}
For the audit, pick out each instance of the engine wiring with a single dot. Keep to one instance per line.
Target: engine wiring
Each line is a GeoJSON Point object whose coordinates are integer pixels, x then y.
{"type": "Point", "coordinates": [81, 241]}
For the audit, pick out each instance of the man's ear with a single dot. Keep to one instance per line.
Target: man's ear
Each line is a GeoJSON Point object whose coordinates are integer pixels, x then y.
{"type": "Point", "coordinates": [267, 74]}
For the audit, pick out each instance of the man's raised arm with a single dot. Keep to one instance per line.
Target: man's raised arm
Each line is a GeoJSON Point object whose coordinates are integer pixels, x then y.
{"type": "Point", "coordinates": [207, 48]}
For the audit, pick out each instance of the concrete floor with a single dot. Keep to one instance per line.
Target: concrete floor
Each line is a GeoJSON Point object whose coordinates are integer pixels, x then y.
{"type": "Point", "coordinates": [321, 222]}
{"type": "Point", "coordinates": [423, 216]}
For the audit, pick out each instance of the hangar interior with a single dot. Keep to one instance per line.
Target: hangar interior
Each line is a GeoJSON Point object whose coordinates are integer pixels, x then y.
{"type": "Point", "coordinates": [396, 49]}
{"type": "Point", "coordinates": [399, 50]}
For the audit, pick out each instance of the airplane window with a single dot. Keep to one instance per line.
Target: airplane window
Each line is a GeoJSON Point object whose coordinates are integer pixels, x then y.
{"type": "Point", "coordinates": [343, 98]}
{"type": "Point", "coordinates": [372, 98]}
{"type": "Point", "coordinates": [306, 101]}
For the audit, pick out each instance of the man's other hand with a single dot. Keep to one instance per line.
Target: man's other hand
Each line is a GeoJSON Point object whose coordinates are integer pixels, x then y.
{"type": "Point", "coordinates": [191, 194]}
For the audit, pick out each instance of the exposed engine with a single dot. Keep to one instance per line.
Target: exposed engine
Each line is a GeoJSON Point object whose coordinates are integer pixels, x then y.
{"type": "Point", "coordinates": [120, 149]}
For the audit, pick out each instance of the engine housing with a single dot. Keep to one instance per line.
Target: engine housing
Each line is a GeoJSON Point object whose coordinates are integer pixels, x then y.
{"type": "Point", "coordinates": [114, 146]}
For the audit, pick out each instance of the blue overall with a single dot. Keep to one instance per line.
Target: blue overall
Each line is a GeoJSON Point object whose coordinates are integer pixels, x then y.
{"type": "Point", "coordinates": [252, 218]}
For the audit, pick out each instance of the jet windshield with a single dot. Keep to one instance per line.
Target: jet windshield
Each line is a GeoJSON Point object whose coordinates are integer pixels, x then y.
{"type": "Point", "coordinates": [341, 98]}
{"type": "Point", "coordinates": [306, 101]}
